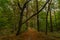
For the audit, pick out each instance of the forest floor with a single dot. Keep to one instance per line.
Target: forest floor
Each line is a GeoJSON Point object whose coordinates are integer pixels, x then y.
{"type": "Point", "coordinates": [31, 34]}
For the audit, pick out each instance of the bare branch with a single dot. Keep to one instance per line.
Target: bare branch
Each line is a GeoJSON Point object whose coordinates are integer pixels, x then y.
{"type": "Point", "coordinates": [19, 6]}
{"type": "Point", "coordinates": [25, 4]}
{"type": "Point", "coordinates": [38, 11]}
{"type": "Point", "coordinates": [18, 3]}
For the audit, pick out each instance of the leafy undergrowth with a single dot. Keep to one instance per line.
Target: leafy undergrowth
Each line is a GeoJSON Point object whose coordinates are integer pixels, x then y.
{"type": "Point", "coordinates": [31, 34]}
{"type": "Point", "coordinates": [56, 35]}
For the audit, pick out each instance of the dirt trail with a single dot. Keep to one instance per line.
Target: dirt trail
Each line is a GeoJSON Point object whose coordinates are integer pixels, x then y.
{"type": "Point", "coordinates": [31, 34]}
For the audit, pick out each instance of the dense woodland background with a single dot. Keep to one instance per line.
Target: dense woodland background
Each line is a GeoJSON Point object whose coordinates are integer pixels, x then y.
{"type": "Point", "coordinates": [16, 16]}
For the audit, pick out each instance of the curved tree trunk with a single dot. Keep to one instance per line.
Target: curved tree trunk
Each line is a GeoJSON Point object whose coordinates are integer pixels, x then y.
{"type": "Point", "coordinates": [21, 16]}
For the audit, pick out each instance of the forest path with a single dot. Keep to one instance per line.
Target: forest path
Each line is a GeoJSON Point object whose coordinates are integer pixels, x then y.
{"type": "Point", "coordinates": [30, 34]}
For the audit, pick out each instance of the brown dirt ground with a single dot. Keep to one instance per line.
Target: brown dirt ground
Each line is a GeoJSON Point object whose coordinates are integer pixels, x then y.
{"type": "Point", "coordinates": [31, 34]}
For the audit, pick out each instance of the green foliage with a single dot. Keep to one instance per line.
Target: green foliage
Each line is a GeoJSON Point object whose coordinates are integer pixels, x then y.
{"type": "Point", "coordinates": [9, 15]}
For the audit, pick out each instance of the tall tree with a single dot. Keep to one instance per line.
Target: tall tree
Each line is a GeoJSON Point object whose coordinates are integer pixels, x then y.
{"type": "Point", "coordinates": [21, 15]}
{"type": "Point", "coordinates": [47, 18]}
{"type": "Point", "coordinates": [55, 17]}
{"type": "Point", "coordinates": [51, 25]}
{"type": "Point", "coordinates": [27, 14]}
{"type": "Point", "coordinates": [37, 15]}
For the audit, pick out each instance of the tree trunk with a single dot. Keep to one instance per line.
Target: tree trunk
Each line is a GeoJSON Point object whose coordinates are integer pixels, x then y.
{"type": "Point", "coordinates": [46, 23]}
{"type": "Point", "coordinates": [21, 16]}
{"type": "Point", "coordinates": [27, 14]}
{"type": "Point", "coordinates": [37, 15]}
{"type": "Point", "coordinates": [55, 20]}
{"type": "Point", "coordinates": [48, 9]}
{"type": "Point", "coordinates": [51, 25]}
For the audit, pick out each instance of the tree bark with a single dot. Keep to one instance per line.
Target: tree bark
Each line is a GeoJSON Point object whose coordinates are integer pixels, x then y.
{"type": "Point", "coordinates": [21, 16]}
{"type": "Point", "coordinates": [37, 12]}
{"type": "Point", "coordinates": [37, 15]}
{"type": "Point", "coordinates": [51, 25]}
{"type": "Point", "coordinates": [27, 14]}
